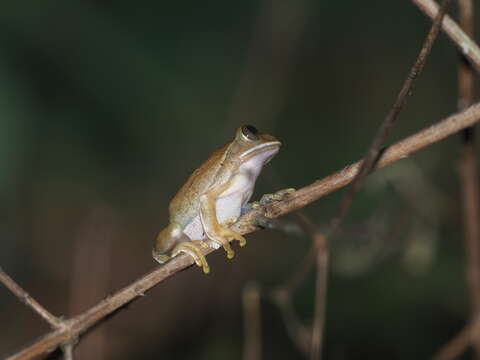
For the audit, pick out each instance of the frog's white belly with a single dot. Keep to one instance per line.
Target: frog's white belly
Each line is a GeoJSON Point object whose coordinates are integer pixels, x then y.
{"type": "Point", "coordinates": [194, 230]}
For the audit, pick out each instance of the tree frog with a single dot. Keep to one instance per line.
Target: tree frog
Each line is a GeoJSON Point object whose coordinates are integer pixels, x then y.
{"type": "Point", "coordinates": [213, 198]}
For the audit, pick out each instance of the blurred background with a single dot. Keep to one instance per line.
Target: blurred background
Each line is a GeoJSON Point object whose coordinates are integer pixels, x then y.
{"type": "Point", "coordinates": [108, 106]}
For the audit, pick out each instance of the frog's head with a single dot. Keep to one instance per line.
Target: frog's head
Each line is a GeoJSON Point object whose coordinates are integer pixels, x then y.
{"type": "Point", "coordinates": [250, 148]}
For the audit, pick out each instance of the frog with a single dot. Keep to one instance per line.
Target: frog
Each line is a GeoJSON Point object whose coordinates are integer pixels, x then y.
{"type": "Point", "coordinates": [213, 197]}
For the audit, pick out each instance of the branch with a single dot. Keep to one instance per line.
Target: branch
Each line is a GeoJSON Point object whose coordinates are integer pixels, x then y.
{"type": "Point", "coordinates": [466, 45]}
{"type": "Point", "coordinates": [468, 177]}
{"type": "Point", "coordinates": [455, 347]}
{"type": "Point", "coordinates": [25, 298]}
{"type": "Point", "coordinates": [79, 324]}
{"type": "Point", "coordinates": [469, 197]}
{"type": "Point", "coordinates": [386, 127]}
{"type": "Point", "coordinates": [318, 328]}
{"type": "Point", "coordinates": [400, 150]}
{"type": "Point", "coordinates": [296, 330]}
{"type": "Point", "coordinates": [252, 348]}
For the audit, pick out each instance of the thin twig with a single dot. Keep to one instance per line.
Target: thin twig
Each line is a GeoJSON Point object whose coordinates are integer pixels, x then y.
{"type": "Point", "coordinates": [322, 255]}
{"type": "Point", "coordinates": [68, 351]}
{"type": "Point", "coordinates": [373, 153]}
{"type": "Point", "coordinates": [79, 324]}
{"type": "Point", "coordinates": [402, 149]}
{"type": "Point", "coordinates": [469, 198]}
{"type": "Point", "coordinates": [372, 157]}
{"type": "Point", "coordinates": [468, 174]}
{"type": "Point", "coordinates": [25, 298]}
{"type": "Point", "coordinates": [253, 322]}
{"type": "Point", "coordinates": [456, 346]}
{"type": "Point", "coordinates": [320, 251]}
{"type": "Point", "coordinates": [466, 75]}
{"type": "Point", "coordinates": [297, 331]}
{"type": "Point", "coordinates": [309, 342]}
{"type": "Point", "coordinates": [466, 45]}
{"type": "Point", "coordinates": [469, 195]}
{"type": "Point", "coordinates": [301, 273]}
{"type": "Point", "coordinates": [282, 294]}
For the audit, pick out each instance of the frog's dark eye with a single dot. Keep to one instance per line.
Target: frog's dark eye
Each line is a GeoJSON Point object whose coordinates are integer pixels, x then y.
{"type": "Point", "coordinates": [250, 132]}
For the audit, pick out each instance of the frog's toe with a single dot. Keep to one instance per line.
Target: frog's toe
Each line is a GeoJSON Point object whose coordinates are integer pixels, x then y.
{"type": "Point", "coordinates": [228, 249]}
{"type": "Point", "coordinates": [241, 239]}
{"type": "Point", "coordinates": [194, 251]}
{"type": "Point", "coordinates": [222, 236]}
{"type": "Point", "coordinates": [230, 221]}
{"type": "Point", "coordinates": [279, 195]}
{"type": "Point", "coordinates": [229, 234]}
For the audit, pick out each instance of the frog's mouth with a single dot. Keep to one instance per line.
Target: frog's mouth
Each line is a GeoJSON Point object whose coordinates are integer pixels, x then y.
{"type": "Point", "coordinates": [268, 147]}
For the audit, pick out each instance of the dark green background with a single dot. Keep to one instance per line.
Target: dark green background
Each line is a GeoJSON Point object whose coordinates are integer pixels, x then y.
{"type": "Point", "coordinates": [106, 107]}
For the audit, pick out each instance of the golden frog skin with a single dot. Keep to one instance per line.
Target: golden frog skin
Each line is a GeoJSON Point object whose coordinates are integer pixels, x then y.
{"type": "Point", "coordinates": [213, 197]}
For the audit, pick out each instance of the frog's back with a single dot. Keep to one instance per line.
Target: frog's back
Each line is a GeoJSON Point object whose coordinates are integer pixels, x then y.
{"type": "Point", "coordinates": [185, 205]}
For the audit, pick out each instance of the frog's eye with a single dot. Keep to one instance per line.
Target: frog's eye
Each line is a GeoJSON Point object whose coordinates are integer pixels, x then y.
{"type": "Point", "coordinates": [250, 133]}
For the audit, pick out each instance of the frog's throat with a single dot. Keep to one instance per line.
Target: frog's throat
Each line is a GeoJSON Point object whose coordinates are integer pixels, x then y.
{"type": "Point", "coordinates": [270, 144]}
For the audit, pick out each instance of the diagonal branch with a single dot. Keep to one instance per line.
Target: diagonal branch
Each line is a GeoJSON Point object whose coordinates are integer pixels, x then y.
{"type": "Point", "coordinates": [386, 127]}
{"type": "Point", "coordinates": [402, 149]}
{"type": "Point", "coordinates": [466, 45]}
{"type": "Point", "coordinates": [457, 345]}
{"type": "Point", "coordinates": [320, 249]}
{"type": "Point", "coordinates": [79, 324]}
{"type": "Point", "coordinates": [25, 297]}
{"type": "Point", "coordinates": [298, 332]}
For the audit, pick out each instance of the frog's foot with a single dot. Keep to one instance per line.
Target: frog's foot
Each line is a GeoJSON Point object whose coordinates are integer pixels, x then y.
{"type": "Point", "coordinates": [279, 195]}
{"type": "Point", "coordinates": [232, 234]}
{"type": "Point", "coordinates": [229, 222]}
{"type": "Point", "coordinates": [221, 238]}
{"type": "Point", "coordinates": [191, 248]}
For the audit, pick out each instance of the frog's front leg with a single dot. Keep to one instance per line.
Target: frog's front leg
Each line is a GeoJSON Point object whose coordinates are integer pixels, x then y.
{"type": "Point", "coordinates": [218, 233]}
{"type": "Point", "coordinates": [267, 199]}
{"type": "Point", "coordinates": [277, 196]}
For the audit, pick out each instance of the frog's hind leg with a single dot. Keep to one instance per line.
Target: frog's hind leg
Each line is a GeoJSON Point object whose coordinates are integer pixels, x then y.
{"type": "Point", "coordinates": [229, 222]}
{"type": "Point", "coordinates": [193, 249]}
{"type": "Point", "coordinates": [166, 241]}
{"type": "Point", "coordinates": [217, 233]}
